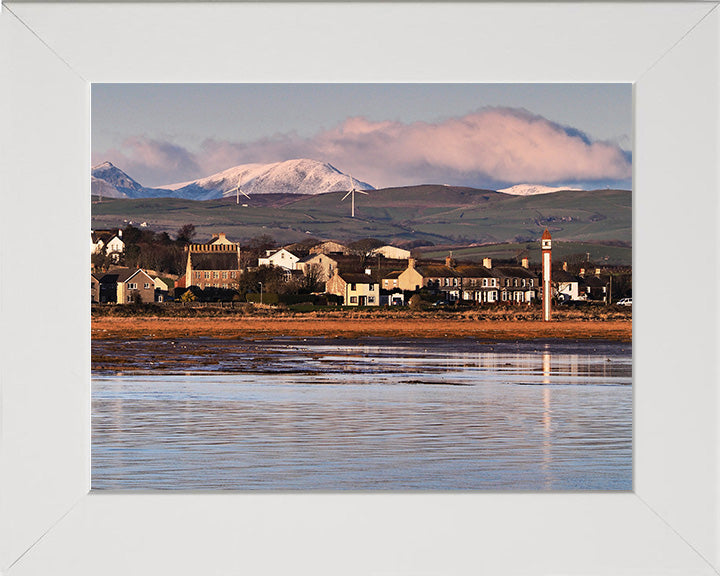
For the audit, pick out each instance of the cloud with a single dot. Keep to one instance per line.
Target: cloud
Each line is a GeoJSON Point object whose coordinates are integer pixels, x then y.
{"type": "Point", "coordinates": [491, 147]}
{"type": "Point", "coordinates": [151, 161]}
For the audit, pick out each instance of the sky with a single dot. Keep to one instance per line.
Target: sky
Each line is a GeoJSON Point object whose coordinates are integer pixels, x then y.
{"type": "Point", "coordinates": [479, 135]}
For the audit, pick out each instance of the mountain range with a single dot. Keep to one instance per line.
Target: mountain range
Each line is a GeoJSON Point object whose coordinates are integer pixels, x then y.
{"type": "Point", "coordinates": [299, 176]}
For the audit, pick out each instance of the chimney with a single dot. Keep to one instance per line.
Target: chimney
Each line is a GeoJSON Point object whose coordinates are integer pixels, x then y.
{"type": "Point", "coordinates": [368, 271]}
{"type": "Point", "coordinates": [411, 263]}
{"type": "Point", "coordinates": [565, 266]}
{"type": "Point", "coordinates": [119, 233]}
{"type": "Point", "coordinates": [597, 271]}
{"type": "Point", "coordinates": [487, 262]}
{"type": "Point", "coordinates": [582, 271]}
{"type": "Point", "coordinates": [221, 236]}
{"type": "Point", "coordinates": [525, 263]}
{"type": "Point", "coordinates": [448, 261]}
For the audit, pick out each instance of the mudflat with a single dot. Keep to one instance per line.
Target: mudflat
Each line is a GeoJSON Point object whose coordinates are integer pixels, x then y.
{"type": "Point", "coordinates": [261, 327]}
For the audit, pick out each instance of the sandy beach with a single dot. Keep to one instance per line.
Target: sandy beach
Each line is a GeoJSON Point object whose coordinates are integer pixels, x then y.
{"type": "Point", "coordinates": [259, 327]}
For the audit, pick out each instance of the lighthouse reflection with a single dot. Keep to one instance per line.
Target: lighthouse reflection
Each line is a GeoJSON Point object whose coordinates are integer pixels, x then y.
{"type": "Point", "coordinates": [546, 367]}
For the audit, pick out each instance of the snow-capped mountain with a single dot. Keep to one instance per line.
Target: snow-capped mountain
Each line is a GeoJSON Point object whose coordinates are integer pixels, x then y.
{"type": "Point", "coordinates": [532, 189]}
{"type": "Point", "coordinates": [109, 181]}
{"type": "Point", "coordinates": [100, 187]}
{"type": "Point", "coordinates": [300, 176]}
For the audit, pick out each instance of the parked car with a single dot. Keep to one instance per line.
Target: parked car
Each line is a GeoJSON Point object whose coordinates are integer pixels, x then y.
{"type": "Point", "coordinates": [624, 302]}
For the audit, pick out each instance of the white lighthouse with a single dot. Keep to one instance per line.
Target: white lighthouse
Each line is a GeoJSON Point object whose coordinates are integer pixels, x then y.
{"type": "Point", "coordinates": [546, 243]}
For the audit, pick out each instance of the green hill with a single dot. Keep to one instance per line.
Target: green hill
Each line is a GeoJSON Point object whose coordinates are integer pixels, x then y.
{"type": "Point", "coordinates": [432, 214]}
{"type": "Point", "coordinates": [574, 252]}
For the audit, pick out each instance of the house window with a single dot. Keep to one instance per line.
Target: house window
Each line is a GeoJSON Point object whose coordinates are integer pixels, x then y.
{"type": "Point", "coordinates": [207, 275]}
{"type": "Point", "coordinates": [225, 275]}
{"type": "Point", "coordinates": [146, 285]}
{"type": "Point", "coordinates": [394, 282]}
{"type": "Point", "coordinates": [371, 299]}
{"type": "Point", "coordinates": [233, 274]}
{"type": "Point", "coordinates": [484, 281]}
{"type": "Point", "coordinates": [353, 299]}
{"type": "Point", "coordinates": [523, 282]}
{"type": "Point", "coordinates": [225, 286]}
{"type": "Point", "coordinates": [132, 286]}
{"type": "Point", "coordinates": [216, 274]}
{"type": "Point", "coordinates": [352, 288]}
{"type": "Point", "coordinates": [129, 298]}
{"type": "Point", "coordinates": [197, 274]}
{"type": "Point", "coordinates": [371, 286]}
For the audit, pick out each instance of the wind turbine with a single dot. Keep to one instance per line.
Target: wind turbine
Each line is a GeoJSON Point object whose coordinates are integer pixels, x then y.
{"type": "Point", "coordinates": [238, 192]}
{"type": "Point", "coordinates": [351, 193]}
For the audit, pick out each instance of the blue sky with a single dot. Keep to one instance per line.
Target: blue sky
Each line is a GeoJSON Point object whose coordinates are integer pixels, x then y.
{"type": "Point", "coordinates": [485, 135]}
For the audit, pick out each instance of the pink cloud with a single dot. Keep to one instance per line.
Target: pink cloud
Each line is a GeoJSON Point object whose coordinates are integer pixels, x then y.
{"type": "Point", "coordinates": [149, 160]}
{"type": "Point", "coordinates": [492, 145]}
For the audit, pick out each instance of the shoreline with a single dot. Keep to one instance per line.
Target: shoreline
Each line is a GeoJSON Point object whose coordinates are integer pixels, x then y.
{"type": "Point", "coordinates": [228, 328]}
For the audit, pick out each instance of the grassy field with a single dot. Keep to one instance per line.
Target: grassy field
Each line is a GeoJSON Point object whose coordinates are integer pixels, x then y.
{"type": "Point", "coordinates": [433, 214]}
{"type": "Point", "coordinates": [599, 253]}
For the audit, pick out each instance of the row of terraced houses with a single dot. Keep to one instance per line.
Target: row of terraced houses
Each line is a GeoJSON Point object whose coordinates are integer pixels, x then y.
{"type": "Point", "coordinates": [383, 277]}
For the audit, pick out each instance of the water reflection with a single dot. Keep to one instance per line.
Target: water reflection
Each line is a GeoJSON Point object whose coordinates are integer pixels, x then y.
{"type": "Point", "coordinates": [391, 415]}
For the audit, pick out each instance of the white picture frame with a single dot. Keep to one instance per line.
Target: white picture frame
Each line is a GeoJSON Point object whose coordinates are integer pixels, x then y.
{"type": "Point", "coordinates": [51, 524]}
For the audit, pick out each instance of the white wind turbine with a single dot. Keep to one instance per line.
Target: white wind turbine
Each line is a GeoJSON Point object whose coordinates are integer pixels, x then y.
{"type": "Point", "coordinates": [238, 192]}
{"type": "Point", "coordinates": [351, 193]}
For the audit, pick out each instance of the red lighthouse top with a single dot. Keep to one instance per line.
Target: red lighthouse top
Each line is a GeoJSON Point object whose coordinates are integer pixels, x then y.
{"type": "Point", "coordinates": [546, 235]}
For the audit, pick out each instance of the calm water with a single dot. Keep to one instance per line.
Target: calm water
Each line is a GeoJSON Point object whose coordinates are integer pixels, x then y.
{"type": "Point", "coordinates": [378, 414]}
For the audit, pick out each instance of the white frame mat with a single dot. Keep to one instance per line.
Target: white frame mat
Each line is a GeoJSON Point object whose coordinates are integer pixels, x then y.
{"type": "Point", "coordinates": [51, 524]}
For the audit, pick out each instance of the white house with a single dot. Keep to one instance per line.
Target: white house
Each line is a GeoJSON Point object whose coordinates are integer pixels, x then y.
{"type": "Point", "coordinates": [115, 245]}
{"type": "Point", "coordinates": [107, 241]}
{"type": "Point", "coordinates": [96, 243]}
{"type": "Point", "coordinates": [566, 286]}
{"type": "Point", "coordinates": [280, 258]}
{"type": "Point", "coordinates": [355, 289]}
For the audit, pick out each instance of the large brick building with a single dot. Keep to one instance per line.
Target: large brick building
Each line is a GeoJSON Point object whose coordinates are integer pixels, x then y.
{"type": "Point", "coordinates": [213, 265]}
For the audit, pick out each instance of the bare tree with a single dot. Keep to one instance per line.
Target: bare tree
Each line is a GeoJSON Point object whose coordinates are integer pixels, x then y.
{"type": "Point", "coordinates": [186, 233]}
{"type": "Point", "coordinates": [314, 278]}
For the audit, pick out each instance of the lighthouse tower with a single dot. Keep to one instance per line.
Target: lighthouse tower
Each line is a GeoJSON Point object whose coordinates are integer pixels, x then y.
{"type": "Point", "coordinates": [546, 243]}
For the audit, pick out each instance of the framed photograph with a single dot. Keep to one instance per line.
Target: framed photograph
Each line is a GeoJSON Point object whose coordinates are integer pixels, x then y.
{"type": "Point", "coordinates": [50, 520]}
{"type": "Point", "coordinates": [344, 320]}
